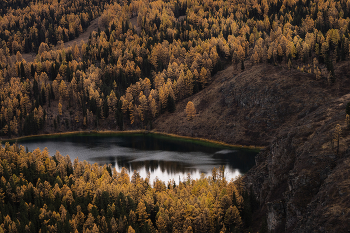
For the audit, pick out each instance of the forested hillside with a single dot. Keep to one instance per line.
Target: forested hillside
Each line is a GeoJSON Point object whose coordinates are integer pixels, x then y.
{"type": "Point", "coordinates": [27, 24]}
{"type": "Point", "coordinates": [41, 193]}
{"type": "Point", "coordinates": [285, 86]}
{"type": "Point", "coordinates": [127, 74]}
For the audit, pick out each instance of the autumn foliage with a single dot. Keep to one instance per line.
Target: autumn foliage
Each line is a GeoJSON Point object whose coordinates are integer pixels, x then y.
{"type": "Point", "coordinates": [126, 74]}
{"type": "Point", "coordinates": [190, 110]}
{"type": "Point", "coordinates": [39, 192]}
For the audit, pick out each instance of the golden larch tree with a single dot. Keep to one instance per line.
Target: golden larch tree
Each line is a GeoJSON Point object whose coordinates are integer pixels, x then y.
{"type": "Point", "coordinates": [60, 108]}
{"type": "Point", "coordinates": [190, 110]}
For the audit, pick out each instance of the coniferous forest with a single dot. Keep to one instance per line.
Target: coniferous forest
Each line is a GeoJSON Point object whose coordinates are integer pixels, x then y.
{"type": "Point", "coordinates": [147, 55]}
{"type": "Point", "coordinates": [43, 193]}
{"type": "Point", "coordinates": [142, 59]}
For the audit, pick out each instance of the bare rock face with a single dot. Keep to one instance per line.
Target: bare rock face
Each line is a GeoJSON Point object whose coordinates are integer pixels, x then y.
{"type": "Point", "coordinates": [275, 215]}
{"type": "Point", "coordinates": [300, 181]}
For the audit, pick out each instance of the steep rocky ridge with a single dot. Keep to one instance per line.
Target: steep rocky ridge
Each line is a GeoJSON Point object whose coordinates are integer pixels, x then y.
{"type": "Point", "coordinates": [301, 183]}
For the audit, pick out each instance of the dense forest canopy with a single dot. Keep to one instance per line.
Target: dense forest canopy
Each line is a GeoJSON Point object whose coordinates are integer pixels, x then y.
{"type": "Point", "coordinates": [26, 24]}
{"type": "Point", "coordinates": [40, 193]}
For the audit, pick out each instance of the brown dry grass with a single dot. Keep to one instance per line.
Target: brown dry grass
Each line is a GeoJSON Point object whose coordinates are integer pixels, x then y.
{"type": "Point", "coordinates": [250, 107]}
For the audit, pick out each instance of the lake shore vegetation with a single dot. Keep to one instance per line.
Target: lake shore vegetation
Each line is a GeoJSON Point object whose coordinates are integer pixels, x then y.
{"type": "Point", "coordinates": [40, 193]}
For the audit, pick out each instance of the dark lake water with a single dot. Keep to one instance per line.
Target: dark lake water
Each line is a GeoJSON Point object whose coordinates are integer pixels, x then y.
{"type": "Point", "coordinates": [164, 157]}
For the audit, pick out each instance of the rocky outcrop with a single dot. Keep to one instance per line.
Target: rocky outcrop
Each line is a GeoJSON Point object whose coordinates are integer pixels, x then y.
{"type": "Point", "coordinates": [296, 179]}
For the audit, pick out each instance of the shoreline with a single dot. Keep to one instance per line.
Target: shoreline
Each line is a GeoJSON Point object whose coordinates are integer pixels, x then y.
{"type": "Point", "coordinates": [250, 147]}
{"type": "Point", "coordinates": [129, 132]}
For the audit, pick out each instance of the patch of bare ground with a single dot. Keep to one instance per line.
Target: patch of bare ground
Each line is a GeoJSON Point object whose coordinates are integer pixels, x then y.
{"type": "Point", "coordinates": [134, 23]}
{"type": "Point", "coordinates": [250, 107]}
{"type": "Point", "coordinates": [29, 57]}
{"type": "Point", "coordinates": [181, 18]}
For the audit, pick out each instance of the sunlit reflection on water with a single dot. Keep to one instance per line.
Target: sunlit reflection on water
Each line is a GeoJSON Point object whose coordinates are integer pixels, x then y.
{"type": "Point", "coordinates": [164, 158]}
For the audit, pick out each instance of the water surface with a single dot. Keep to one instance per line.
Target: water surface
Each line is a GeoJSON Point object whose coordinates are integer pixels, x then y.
{"type": "Point", "coordinates": [163, 157]}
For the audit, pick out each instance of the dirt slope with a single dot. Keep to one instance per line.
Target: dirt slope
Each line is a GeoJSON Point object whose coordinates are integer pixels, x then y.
{"type": "Point", "coordinates": [302, 185]}
{"type": "Point", "coordinates": [250, 107]}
